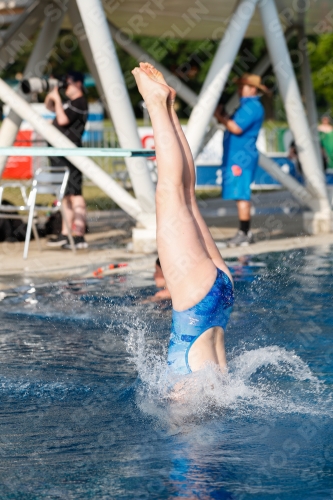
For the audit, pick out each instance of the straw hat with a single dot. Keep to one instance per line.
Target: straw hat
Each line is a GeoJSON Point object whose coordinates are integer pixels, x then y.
{"type": "Point", "coordinates": [253, 80]}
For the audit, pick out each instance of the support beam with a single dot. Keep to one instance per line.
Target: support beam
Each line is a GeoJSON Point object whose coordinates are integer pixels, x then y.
{"type": "Point", "coordinates": [35, 67]}
{"type": "Point", "coordinates": [299, 192]}
{"type": "Point", "coordinates": [45, 42]}
{"type": "Point", "coordinates": [259, 69]}
{"type": "Point", "coordinates": [297, 119]}
{"type": "Point", "coordinates": [79, 32]}
{"type": "Point", "coordinates": [87, 166]}
{"type": "Point", "coordinates": [308, 93]}
{"type": "Point", "coordinates": [218, 74]}
{"type": "Point", "coordinates": [115, 91]}
{"type": "Point", "coordinates": [19, 34]}
{"type": "Point", "coordinates": [183, 91]}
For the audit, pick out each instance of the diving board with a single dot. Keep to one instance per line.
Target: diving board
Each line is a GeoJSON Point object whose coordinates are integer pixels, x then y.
{"type": "Point", "coordinates": [104, 152]}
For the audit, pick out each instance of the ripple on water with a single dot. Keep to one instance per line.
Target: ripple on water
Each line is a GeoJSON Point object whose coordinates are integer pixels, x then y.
{"type": "Point", "coordinates": [25, 389]}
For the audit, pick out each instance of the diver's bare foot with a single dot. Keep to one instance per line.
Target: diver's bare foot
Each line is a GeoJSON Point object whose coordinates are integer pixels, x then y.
{"type": "Point", "coordinates": [156, 75]}
{"type": "Point", "coordinates": [153, 92]}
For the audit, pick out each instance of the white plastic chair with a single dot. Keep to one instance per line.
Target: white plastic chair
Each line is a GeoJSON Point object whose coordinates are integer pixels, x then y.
{"type": "Point", "coordinates": [47, 180]}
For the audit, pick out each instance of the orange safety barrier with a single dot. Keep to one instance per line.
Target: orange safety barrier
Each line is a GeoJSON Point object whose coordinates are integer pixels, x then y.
{"type": "Point", "coordinates": [20, 167]}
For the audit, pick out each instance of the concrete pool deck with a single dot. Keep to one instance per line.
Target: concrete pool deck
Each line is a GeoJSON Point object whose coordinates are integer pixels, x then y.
{"type": "Point", "coordinates": [110, 233]}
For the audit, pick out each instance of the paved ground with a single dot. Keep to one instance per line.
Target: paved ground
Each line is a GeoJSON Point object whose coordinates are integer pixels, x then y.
{"type": "Point", "coordinates": [277, 225]}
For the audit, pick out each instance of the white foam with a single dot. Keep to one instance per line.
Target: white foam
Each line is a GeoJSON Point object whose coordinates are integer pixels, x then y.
{"type": "Point", "coordinates": [268, 379]}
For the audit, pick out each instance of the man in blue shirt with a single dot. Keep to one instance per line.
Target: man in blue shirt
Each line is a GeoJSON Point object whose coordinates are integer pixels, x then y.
{"type": "Point", "coordinates": [240, 154]}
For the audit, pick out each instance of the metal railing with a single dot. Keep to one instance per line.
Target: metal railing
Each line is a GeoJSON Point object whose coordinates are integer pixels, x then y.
{"type": "Point", "coordinates": [106, 138]}
{"type": "Point", "coordinates": [116, 167]}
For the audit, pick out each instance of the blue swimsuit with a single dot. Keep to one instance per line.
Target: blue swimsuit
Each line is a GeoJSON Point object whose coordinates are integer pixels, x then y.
{"type": "Point", "coordinates": [187, 326]}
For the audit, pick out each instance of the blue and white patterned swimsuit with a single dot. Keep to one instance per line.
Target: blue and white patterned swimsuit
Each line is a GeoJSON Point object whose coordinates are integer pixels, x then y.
{"type": "Point", "coordinates": [187, 326]}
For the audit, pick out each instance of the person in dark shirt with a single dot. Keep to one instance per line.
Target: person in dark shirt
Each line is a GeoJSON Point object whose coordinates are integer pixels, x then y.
{"type": "Point", "coordinates": [71, 117]}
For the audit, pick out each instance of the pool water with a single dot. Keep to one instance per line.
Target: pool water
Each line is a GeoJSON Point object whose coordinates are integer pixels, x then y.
{"type": "Point", "coordinates": [84, 407]}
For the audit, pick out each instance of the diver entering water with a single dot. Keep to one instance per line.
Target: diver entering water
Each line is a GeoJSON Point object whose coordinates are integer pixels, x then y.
{"type": "Point", "coordinates": [197, 277]}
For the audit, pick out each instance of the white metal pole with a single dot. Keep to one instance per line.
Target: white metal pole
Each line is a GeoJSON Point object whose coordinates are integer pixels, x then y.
{"type": "Point", "coordinates": [218, 74]}
{"type": "Point", "coordinates": [289, 90]}
{"type": "Point", "coordinates": [35, 67]}
{"type": "Point", "coordinates": [77, 26]}
{"type": "Point", "coordinates": [17, 25]}
{"type": "Point", "coordinates": [299, 192]}
{"type": "Point", "coordinates": [115, 91]}
{"type": "Point", "coordinates": [183, 91]}
{"type": "Point", "coordinates": [233, 102]}
{"type": "Point", "coordinates": [259, 69]}
{"type": "Point", "coordinates": [17, 35]}
{"type": "Point", "coordinates": [309, 96]}
{"type": "Point", "coordinates": [87, 166]}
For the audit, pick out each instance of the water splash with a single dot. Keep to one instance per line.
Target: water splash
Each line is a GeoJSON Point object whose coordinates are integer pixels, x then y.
{"type": "Point", "coordinates": [259, 381]}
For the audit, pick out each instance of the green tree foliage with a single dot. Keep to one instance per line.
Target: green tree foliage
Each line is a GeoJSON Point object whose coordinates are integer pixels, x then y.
{"type": "Point", "coordinates": [321, 58]}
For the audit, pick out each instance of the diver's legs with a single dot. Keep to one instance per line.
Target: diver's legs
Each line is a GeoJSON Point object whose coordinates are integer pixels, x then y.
{"type": "Point", "coordinates": [189, 183]}
{"type": "Point", "coordinates": [189, 177]}
{"type": "Point", "coordinates": [188, 269]}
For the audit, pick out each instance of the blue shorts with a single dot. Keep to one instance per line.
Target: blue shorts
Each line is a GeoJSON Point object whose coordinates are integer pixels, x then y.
{"type": "Point", "coordinates": [236, 182]}
{"type": "Point", "coordinates": [187, 326]}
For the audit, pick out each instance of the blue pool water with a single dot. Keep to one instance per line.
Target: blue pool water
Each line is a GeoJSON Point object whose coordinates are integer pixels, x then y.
{"type": "Point", "coordinates": [83, 406]}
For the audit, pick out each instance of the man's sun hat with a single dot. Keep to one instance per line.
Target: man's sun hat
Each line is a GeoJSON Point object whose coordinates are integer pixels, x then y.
{"type": "Point", "coordinates": [253, 80]}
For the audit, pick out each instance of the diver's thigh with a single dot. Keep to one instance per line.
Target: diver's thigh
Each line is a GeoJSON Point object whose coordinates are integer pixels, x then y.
{"type": "Point", "coordinates": [188, 270]}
